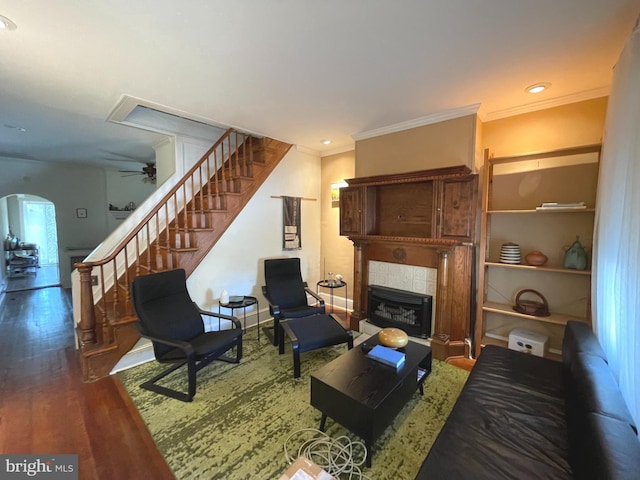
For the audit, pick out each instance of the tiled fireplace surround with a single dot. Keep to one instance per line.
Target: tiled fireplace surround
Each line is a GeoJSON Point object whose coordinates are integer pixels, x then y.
{"type": "Point", "coordinates": [411, 265]}
{"type": "Point", "coordinates": [411, 278]}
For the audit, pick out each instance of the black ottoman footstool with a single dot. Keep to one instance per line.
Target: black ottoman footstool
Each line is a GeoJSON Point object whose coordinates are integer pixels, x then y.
{"type": "Point", "coordinates": [311, 333]}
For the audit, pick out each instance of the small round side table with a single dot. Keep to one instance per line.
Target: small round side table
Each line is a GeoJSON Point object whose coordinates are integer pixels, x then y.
{"type": "Point", "coordinates": [246, 302]}
{"type": "Point", "coordinates": [332, 286]}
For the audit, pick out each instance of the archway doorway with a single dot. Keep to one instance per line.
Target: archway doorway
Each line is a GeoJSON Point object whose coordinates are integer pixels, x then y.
{"type": "Point", "coordinates": [31, 243]}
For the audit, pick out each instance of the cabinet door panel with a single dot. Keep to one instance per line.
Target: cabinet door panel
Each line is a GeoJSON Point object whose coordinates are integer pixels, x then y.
{"type": "Point", "coordinates": [404, 210]}
{"type": "Point", "coordinates": [351, 207]}
{"type": "Point", "coordinates": [457, 208]}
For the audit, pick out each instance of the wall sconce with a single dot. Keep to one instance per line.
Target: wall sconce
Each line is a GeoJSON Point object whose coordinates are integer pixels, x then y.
{"type": "Point", "coordinates": [335, 193]}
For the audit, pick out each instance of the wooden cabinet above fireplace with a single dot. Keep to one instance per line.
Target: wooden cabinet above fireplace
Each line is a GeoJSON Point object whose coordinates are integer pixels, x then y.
{"type": "Point", "coordinates": [438, 203]}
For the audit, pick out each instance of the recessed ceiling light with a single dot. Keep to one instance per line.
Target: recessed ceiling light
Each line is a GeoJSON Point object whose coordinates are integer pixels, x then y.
{"type": "Point", "coordinates": [538, 87]}
{"type": "Point", "coordinates": [6, 24]}
{"type": "Point", "coordinates": [326, 142]}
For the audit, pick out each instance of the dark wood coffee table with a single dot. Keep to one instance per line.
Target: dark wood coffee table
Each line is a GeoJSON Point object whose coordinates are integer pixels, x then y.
{"type": "Point", "coordinates": [365, 395]}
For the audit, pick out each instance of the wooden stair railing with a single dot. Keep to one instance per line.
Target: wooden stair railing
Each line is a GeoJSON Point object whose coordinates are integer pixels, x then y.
{"type": "Point", "coordinates": [177, 233]}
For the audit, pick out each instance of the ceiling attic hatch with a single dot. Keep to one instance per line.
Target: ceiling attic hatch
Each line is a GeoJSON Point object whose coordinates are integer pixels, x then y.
{"type": "Point", "coordinates": [145, 115]}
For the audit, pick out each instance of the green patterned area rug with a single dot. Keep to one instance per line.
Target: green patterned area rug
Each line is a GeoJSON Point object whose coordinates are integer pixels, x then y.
{"type": "Point", "coordinates": [243, 414]}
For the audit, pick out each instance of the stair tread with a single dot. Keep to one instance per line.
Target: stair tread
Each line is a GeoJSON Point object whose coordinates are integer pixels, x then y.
{"type": "Point", "coordinates": [183, 249]}
{"type": "Point", "coordinates": [192, 229]}
{"type": "Point", "coordinates": [221, 194]}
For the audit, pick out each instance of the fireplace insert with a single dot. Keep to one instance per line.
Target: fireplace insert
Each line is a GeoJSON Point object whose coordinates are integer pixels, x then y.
{"type": "Point", "coordinates": [408, 311]}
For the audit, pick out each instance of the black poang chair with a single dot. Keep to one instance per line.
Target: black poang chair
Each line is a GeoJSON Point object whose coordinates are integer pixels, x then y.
{"type": "Point", "coordinates": [286, 292]}
{"type": "Point", "coordinates": [168, 317]}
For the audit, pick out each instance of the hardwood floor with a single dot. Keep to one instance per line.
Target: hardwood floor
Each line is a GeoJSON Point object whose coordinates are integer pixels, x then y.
{"type": "Point", "coordinates": [41, 277]}
{"type": "Point", "coordinates": [45, 408]}
{"type": "Point", "coordinates": [461, 362]}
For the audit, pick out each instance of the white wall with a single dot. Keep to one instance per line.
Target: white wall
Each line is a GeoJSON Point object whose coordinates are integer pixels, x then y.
{"type": "Point", "coordinates": [236, 262]}
{"type": "Point", "coordinates": [190, 151]}
{"type": "Point", "coordinates": [165, 159]}
{"type": "Point", "coordinates": [4, 230]}
{"type": "Point", "coordinates": [14, 217]}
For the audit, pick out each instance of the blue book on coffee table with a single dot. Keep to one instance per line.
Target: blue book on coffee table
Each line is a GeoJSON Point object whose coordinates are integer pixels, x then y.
{"type": "Point", "coordinates": [387, 355]}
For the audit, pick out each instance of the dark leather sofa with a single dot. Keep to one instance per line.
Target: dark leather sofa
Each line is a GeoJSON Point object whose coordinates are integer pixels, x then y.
{"type": "Point", "coordinates": [525, 417]}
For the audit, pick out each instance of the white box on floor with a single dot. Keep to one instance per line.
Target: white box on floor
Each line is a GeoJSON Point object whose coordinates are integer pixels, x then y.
{"type": "Point", "coordinates": [528, 342]}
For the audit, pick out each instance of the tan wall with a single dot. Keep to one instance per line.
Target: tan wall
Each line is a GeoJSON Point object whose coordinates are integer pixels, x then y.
{"type": "Point", "coordinates": [443, 144]}
{"type": "Point", "coordinates": [336, 252]}
{"type": "Point", "coordinates": [572, 125]}
{"type": "Point", "coordinates": [479, 150]}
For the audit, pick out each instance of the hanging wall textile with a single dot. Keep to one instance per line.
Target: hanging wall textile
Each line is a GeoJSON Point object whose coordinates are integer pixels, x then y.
{"type": "Point", "coordinates": [291, 216]}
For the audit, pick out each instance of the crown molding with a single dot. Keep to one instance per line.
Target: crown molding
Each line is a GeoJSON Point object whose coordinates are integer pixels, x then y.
{"type": "Point", "coordinates": [480, 110]}
{"type": "Point", "coordinates": [307, 150]}
{"type": "Point", "coordinates": [335, 151]}
{"type": "Point", "coordinates": [419, 122]}
{"type": "Point", "coordinates": [550, 103]}
{"type": "Point", "coordinates": [123, 107]}
{"type": "Point", "coordinates": [163, 141]}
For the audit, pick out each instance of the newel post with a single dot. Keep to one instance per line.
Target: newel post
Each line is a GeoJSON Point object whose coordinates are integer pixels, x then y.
{"type": "Point", "coordinates": [87, 325]}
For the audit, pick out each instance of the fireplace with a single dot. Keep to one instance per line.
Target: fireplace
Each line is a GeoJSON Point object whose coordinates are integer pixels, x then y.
{"type": "Point", "coordinates": [391, 307]}
{"type": "Point", "coordinates": [451, 290]}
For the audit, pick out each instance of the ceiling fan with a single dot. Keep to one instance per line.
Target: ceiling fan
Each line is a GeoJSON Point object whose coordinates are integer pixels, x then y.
{"type": "Point", "coordinates": [149, 170]}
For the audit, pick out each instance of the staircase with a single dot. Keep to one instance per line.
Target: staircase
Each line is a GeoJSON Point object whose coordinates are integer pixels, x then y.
{"type": "Point", "coordinates": [177, 233]}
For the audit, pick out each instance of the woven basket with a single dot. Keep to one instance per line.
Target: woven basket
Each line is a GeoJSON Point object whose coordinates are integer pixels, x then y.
{"type": "Point", "coordinates": [531, 307]}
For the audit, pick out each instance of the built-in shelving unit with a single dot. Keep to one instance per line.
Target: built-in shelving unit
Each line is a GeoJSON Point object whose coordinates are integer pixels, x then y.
{"type": "Point", "coordinates": [513, 190]}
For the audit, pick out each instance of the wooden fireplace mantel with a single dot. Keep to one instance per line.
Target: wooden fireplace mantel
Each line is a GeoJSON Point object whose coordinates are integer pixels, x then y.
{"type": "Point", "coordinates": [430, 222]}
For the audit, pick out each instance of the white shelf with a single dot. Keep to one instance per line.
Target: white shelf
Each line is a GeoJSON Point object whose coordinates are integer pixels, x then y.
{"type": "Point", "coordinates": [120, 214]}
{"type": "Point", "coordinates": [505, 309]}
{"type": "Point", "coordinates": [542, 212]}
{"type": "Point", "coordinates": [543, 268]}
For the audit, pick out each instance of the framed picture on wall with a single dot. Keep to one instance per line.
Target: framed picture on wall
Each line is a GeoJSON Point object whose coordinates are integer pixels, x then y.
{"type": "Point", "coordinates": [81, 212]}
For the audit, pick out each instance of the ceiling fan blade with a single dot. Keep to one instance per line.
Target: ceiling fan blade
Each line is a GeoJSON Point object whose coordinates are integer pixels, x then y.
{"type": "Point", "coordinates": [149, 170]}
